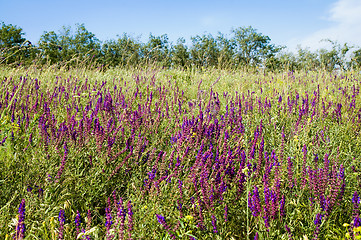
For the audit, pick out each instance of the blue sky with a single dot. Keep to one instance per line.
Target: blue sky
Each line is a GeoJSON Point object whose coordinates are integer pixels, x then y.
{"type": "Point", "coordinates": [287, 23]}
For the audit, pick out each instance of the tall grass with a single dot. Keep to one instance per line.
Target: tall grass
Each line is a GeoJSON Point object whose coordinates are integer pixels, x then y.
{"type": "Point", "coordinates": [150, 153]}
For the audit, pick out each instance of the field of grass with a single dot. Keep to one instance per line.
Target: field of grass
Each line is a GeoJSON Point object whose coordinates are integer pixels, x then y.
{"type": "Point", "coordinates": [179, 154]}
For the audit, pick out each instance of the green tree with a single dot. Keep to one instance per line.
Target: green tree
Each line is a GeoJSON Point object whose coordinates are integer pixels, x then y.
{"type": "Point", "coordinates": [126, 51]}
{"type": "Point", "coordinates": [180, 54]}
{"type": "Point", "coordinates": [356, 59]}
{"type": "Point", "coordinates": [306, 59]}
{"type": "Point", "coordinates": [157, 50]}
{"type": "Point", "coordinates": [285, 61]}
{"type": "Point", "coordinates": [336, 57]}
{"type": "Point", "coordinates": [226, 51]}
{"type": "Point", "coordinates": [252, 48]}
{"type": "Point", "coordinates": [68, 47]}
{"type": "Point", "coordinates": [14, 48]}
{"type": "Point", "coordinates": [204, 51]}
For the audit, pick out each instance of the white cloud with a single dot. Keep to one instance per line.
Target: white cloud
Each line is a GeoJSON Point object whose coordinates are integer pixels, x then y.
{"type": "Point", "coordinates": [346, 18]}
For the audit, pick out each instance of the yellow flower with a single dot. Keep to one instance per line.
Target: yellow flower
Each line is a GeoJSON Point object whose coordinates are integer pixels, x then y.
{"type": "Point", "coordinates": [144, 207]}
{"type": "Point", "coordinates": [346, 225]}
{"type": "Point", "coordinates": [357, 229]}
{"type": "Point", "coordinates": [189, 218]}
{"type": "Point", "coordinates": [245, 170]}
{"type": "Point", "coordinates": [51, 219]}
{"type": "Point", "coordinates": [347, 235]}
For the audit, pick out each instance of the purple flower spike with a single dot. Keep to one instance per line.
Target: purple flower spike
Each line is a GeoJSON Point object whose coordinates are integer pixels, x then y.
{"type": "Point", "coordinates": [160, 219]}
{"type": "Point", "coordinates": [61, 224]}
{"type": "Point", "coordinates": [318, 219]}
{"type": "Point", "coordinates": [130, 219]}
{"type": "Point", "coordinates": [77, 222]}
{"type": "Point", "coordinates": [20, 228]}
{"type": "Point", "coordinates": [162, 222]}
{"type": "Point", "coordinates": [214, 224]}
{"type": "Point", "coordinates": [317, 222]}
{"type": "Point", "coordinates": [355, 200]}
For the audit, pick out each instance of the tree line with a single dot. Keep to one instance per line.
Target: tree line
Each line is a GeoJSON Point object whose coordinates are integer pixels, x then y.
{"type": "Point", "coordinates": [244, 47]}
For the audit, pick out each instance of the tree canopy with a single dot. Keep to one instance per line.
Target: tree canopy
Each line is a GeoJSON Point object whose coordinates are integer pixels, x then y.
{"type": "Point", "coordinates": [243, 47]}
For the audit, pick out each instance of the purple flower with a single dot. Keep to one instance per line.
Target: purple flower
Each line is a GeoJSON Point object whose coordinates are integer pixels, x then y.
{"type": "Point", "coordinates": [214, 224]}
{"type": "Point", "coordinates": [130, 219]}
{"type": "Point", "coordinates": [2, 141]}
{"type": "Point", "coordinates": [120, 218]}
{"type": "Point", "coordinates": [61, 224]}
{"type": "Point", "coordinates": [77, 222]}
{"type": "Point", "coordinates": [63, 161]}
{"type": "Point", "coordinates": [254, 202]}
{"type": "Point", "coordinates": [355, 200]}
{"type": "Point", "coordinates": [318, 219]}
{"type": "Point", "coordinates": [317, 222]}
{"type": "Point", "coordinates": [289, 232]}
{"type": "Point", "coordinates": [282, 206]}
{"type": "Point", "coordinates": [20, 228]}
{"type": "Point", "coordinates": [357, 222]}
{"type": "Point", "coordinates": [226, 213]}
{"type": "Point", "coordinates": [161, 219]}
{"type": "Point", "coordinates": [108, 222]}
{"type": "Point", "coordinates": [290, 173]}
{"type": "Point", "coordinates": [162, 222]}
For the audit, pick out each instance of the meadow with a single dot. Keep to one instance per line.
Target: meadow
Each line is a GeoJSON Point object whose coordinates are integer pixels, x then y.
{"type": "Point", "coordinates": [152, 153]}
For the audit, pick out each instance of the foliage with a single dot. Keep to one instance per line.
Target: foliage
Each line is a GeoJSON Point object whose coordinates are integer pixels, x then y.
{"type": "Point", "coordinates": [126, 51]}
{"type": "Point", "coordinates": [13, 46]}
{"type": "Point", "coordinates": [69, 48]}
{"type": "Point", "coordinates": [244, 48]}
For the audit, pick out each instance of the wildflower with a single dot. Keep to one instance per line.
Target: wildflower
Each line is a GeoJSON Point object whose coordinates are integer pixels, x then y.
{"type": "Point", "coordinates": [2, 141]}
{"type": "Point", "coordinates": [130, 219]}
{"type": "Point", "coordinates": [160, 219]}
{"type": "Point", "coordinates": [355, 200]}
{"type": "Point", "coordinates": [245, 170]}
{"type": "Point", "coordinates": [108, 222]}
{"type": "Point", "coordinates": [288, 231]}
{"type": "Point", "coordinates": [226, 213]}
{"type": "Point", "coordinates": [162, 222]}
{"type": "Point", "coordinates": [20, 228]}
{"type": "Point", "coordinates": [214, 224]}
{"type": "Point", "coordinates": [120, 218]}
{"type": "Point", "coordinates": [63, 161]}
{"type": "Point", "coordinates": [317, 222]}
{"type": "Point", "coordinates": [77, 222]}
{"type": "Point", "coordinates": [254, 202]}
{"type": "Point", "coordinates": [89, 222]}
{"type": "Point", "coordinates": [189, 218]}
{"type": "Point", "coordinates": [290, 173]}
{"type": "Point", "coordinates": [61, 224]}
{"type": "Point", "coordinates": [282, 206]}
